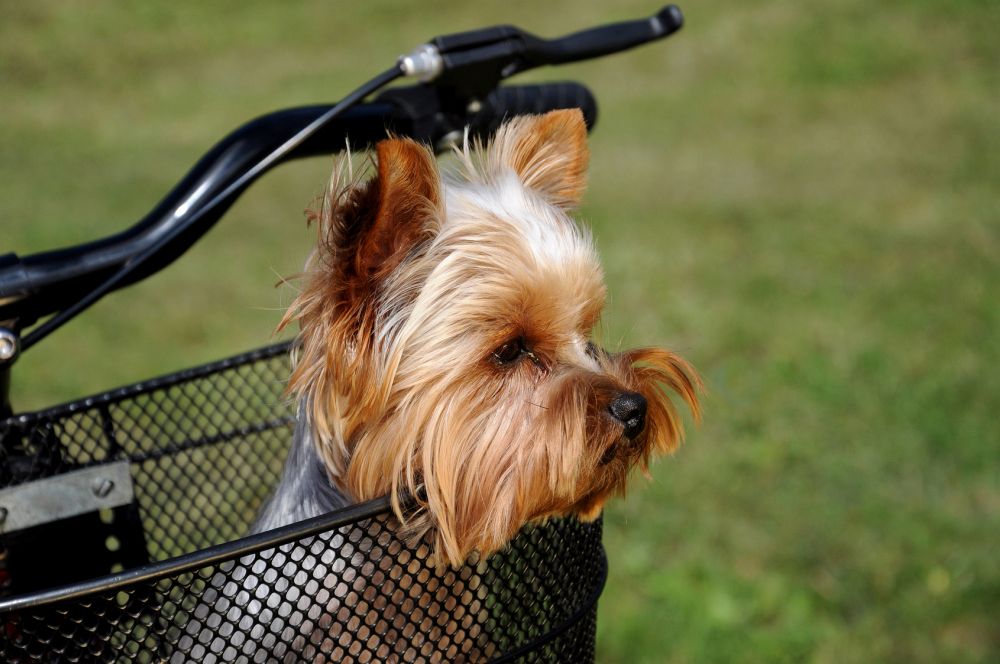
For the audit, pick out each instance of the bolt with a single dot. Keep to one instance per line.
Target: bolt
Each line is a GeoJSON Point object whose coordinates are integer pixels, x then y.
{"type": "Point", "coordinates": [103, 487]}
{"type": "Point", "coordinates": [8, 345]}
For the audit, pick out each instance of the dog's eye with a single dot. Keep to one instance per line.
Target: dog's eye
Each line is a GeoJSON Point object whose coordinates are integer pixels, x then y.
{"type": "Point", "coordinates": [509, 352]}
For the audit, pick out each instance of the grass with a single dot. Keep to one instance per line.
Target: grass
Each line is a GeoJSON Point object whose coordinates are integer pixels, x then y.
{"type": "Point", "coordinates": [801, 197]}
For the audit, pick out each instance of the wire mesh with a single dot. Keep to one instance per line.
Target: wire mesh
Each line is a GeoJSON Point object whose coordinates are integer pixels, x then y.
{"type": "Point", "coordinates": [171, 577]}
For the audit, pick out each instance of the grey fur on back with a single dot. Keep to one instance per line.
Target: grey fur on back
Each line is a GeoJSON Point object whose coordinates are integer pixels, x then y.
{"type": "Point", "coordinates": [304, 490]}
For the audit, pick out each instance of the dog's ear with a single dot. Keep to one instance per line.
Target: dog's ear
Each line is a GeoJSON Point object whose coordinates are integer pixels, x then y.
{"type": "Point", "coordinates": [548, 152]}
{"type": "Point", "coordinates": [365, 232]}
{"type": "Point", "coordinates": [390, 214]}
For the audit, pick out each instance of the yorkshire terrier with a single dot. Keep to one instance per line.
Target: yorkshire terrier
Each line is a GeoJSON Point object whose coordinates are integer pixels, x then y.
{"type": "Point", "coordinates": [445, 352]}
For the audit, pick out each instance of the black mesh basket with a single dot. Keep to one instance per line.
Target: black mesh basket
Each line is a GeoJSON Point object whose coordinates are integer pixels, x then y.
{"type": "Point", "coordinates": [123, 518]}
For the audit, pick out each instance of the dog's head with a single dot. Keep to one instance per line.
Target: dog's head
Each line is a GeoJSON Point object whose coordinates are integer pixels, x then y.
{"type": "Point", "coordinates": [446, 342]}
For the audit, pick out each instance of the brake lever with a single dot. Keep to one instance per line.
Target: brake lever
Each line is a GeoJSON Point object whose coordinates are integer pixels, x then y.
{"type": "Point", "coordinates": [470, 64]}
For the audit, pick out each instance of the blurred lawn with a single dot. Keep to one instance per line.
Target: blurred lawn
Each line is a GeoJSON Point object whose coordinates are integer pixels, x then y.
{"type": "Point", "coordinates": [802, 197]}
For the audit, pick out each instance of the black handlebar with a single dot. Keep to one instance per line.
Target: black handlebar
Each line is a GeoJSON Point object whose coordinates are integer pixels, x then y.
{"type": "Point", "coordinates": [465, 69]}
{"type": "Point", "coordinates": [43, 283]}
{"type": "Point", "coordinates": [40, 284]}
{"type": "Point", "coordinates": [606, 39]}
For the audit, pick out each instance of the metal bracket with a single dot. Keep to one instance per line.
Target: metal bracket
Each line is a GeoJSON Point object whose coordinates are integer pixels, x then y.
{"type": "Point", "coordinates": [69, 494]}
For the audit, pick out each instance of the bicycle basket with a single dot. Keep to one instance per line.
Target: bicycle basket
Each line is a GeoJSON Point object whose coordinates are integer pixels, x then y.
{"type": "Point", "coordinates": [154, 486]}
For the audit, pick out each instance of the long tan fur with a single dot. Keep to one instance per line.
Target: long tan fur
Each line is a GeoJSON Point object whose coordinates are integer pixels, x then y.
{"type": "Point", "coordinates": [417, 281]}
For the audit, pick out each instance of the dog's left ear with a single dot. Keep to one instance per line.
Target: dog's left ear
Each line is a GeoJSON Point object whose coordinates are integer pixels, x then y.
{"type": "Point", "coordinates": [366, 232]}
{"type": "Point", "coordinates": [548, 152]}
{"type": "Point", "coordinates": [400, 202]}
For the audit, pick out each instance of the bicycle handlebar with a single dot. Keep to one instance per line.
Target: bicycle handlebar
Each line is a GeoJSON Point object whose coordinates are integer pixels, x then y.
{"type": "Point", "coordinates": [606, 39]}
{"type": "Point", "coordinates": [40, 284]}
{"type": "Point", "coordinates": [465, 69]}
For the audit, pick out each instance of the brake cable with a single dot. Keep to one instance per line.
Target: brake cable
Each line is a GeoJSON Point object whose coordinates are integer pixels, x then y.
{"type": "Point", "coordinates": [467, 64]}
{"type": "Point", "coordinates": [66, 315]}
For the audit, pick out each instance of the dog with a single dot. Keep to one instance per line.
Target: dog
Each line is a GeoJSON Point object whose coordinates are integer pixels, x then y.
{"type": "Point", "coordinates": [445, 354]}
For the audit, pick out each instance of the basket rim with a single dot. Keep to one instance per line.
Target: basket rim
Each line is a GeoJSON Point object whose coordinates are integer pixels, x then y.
{"type": "Point", "coordinates": [201, 558]}
{"type": "Point", "coordinates": [273, 539]}
{"type": "Point", "coordinates": [117, 394]}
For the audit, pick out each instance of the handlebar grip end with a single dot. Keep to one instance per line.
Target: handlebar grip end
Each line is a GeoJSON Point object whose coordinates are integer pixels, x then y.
{"type": "Point", "coordinates": [507, 101]}
{"type": "Point", "coordinates": [669, 20]}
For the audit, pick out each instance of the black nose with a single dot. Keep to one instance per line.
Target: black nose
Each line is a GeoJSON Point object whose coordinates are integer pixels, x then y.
{"type": "Point", "coordinates": [629, 408]}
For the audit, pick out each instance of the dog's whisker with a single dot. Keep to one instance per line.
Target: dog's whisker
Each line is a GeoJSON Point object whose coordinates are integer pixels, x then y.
{"type": "Point", "coordinates": [262, 308]}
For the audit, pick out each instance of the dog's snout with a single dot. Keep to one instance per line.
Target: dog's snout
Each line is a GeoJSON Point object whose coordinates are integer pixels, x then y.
{"type": "Point", "coordinates": [629, 408]}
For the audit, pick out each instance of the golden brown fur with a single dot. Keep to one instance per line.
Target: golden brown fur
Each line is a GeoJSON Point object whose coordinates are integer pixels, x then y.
{"type": "Point", "coordinates": [419, 286]}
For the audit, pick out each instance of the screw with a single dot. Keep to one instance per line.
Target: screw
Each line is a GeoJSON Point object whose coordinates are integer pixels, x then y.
{"type": "Point", "coordinates": [8, 345]}
{"type": "Point", "coordinates": [103, 487]}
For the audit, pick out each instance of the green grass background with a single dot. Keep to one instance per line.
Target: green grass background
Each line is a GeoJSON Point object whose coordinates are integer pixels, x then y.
{"type": "Point", "coordinates": [801, 197]}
